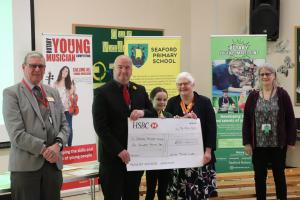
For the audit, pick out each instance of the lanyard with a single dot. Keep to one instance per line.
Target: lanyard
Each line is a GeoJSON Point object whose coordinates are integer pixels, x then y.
{"type": "Point", "coordinates": [267, 112]}
{"type": "Point", "coordinates": [188, 108]}
{"type": "Point", "coordinates": [161, 114]}
{"type": "Point", "coordinates": [42, 100]}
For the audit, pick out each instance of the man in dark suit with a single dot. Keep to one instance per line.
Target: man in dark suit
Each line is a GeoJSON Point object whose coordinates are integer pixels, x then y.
{"type": "Point", "coordinates": [37, 127]}
{"type": "Point", "coordinates": [113, 103]}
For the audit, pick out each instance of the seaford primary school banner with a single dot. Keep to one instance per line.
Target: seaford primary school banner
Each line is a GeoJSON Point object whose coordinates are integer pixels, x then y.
{"type": "Point", "coordinates": [234, 72]}
{"type": "Point", "coordinates": [69, 69]}
{"type": "Point", "coordinates": [108, 43]}
{"type": "Point", "coordinates": [156, 61]}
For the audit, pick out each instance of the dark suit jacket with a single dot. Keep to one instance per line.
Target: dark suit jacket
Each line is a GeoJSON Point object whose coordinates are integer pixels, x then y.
{"type": "Point", "coordinates": [110, 114]}
{"type": "Point", "coordinates": [204, 110]}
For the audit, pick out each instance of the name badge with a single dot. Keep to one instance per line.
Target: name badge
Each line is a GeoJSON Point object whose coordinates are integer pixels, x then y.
{"type": "Point", "coordinates": [50, 120]}
{"type": "Point", "coordinates": [50, 99]}
{"type": "Point", "coordinates": [266, 128]}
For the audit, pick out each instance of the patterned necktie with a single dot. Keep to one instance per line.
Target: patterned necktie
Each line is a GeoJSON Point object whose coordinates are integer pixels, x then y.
{"type": "Point", "coordinates": [37, 92]}
{"type": "Point", "coordinates": [126, 95]}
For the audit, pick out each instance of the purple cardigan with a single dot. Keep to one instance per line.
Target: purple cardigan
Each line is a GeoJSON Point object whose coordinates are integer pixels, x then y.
{"type": "Point", "coordinates": [286, 123]}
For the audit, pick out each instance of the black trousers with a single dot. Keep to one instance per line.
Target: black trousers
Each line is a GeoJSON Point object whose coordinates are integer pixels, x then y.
{"type": "Point", "coordinates": [43, 184]}
{"type": "Point", "coordinates": [116, 182]}
{"type": "Point", "coordinates": [275, 158]}
{"type": "Point", "coordinates": [160, 176]}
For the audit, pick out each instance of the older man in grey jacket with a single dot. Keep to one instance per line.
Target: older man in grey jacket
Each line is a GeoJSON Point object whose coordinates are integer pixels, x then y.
{"type": "Point", "coordinates": [35, 121]}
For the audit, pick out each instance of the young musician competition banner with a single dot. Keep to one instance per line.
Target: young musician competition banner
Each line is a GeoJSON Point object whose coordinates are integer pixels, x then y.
{"type": "Point", "coordinates": [156, 61]}
{"type": "Point", "coordinates": [234, 72]}
{"type": "Point", "coordinates": [69, 70]}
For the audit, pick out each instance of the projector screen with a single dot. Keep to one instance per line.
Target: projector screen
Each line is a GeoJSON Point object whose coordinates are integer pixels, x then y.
{"type": "Point", "coordinates": [15, 41]}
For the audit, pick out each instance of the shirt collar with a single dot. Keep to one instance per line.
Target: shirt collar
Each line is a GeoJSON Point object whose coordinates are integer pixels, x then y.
{"type": "Point", "coordinates": [120, 85]}
{"type": "Point", "coordinates": [30, 84]}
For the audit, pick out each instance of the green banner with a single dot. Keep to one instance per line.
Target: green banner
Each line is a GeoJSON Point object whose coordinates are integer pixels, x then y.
{"type": "Point", "coordinates": [238, 47]}
{"type": "Point", "coordinates": [108, 43]}
{"type": "Point", "coordinates": [234, 72]}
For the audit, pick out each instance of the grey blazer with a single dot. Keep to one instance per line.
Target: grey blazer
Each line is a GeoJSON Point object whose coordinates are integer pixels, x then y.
{"type": "Point", "coordinates": [26, 127]}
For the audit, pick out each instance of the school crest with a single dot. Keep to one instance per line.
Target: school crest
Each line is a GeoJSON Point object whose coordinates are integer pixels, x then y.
{"type": "Point", "coordinates": [138, 54]}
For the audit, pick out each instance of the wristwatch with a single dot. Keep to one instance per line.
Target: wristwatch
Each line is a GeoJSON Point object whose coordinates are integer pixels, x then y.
{"type": "Point", "coordinates": [61, 146]}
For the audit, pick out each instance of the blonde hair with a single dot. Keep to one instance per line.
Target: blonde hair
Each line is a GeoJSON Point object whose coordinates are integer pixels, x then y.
{"type": "Point", "coordinates": [236, 63]}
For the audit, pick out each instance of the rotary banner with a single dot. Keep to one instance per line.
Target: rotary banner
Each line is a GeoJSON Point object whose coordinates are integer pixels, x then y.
{"type": "Point", "coordinates": [234, 74]}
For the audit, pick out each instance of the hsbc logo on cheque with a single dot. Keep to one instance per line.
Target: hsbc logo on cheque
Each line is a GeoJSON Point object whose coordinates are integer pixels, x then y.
{"type": "Point", "coordinates": [144, 125]}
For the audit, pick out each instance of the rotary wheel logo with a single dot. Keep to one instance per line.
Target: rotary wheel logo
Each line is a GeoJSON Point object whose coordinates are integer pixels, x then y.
{"type": "Point", "coordinates": [154, 125]}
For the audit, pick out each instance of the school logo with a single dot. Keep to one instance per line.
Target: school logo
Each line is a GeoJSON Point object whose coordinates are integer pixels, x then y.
{"type": "Point", "coordinates": [138, 53]}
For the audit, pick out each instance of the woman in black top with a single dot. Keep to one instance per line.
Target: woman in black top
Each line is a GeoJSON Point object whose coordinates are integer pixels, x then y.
{"type": "Point", "coordinates": [269, 128]}
{"type": "Point", "coordinates": [194, 183]}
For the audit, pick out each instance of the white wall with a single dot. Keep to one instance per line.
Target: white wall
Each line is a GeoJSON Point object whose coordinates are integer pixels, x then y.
{"type": "Point", "coordinates": [57, 16]}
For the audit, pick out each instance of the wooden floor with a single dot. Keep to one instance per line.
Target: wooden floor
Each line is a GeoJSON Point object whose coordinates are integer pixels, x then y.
{"type": "Point", "coordinates": [236, 185]}
{"type": "Point", "coordinates": [99, 196]}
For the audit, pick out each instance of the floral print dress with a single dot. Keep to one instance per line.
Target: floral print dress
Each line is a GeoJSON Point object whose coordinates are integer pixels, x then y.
{"type": "Point", "coordinates": [192, 183]}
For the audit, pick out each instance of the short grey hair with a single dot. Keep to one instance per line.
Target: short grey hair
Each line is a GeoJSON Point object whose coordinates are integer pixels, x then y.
{"type": "Point", "coordinates": [33, 54]}
{"type": "Point", "coordinates": [270, 68]}
{"type": "Point", "coordinates": [185, 75]}
{"type": "Point", "coordinates": [122, 57]}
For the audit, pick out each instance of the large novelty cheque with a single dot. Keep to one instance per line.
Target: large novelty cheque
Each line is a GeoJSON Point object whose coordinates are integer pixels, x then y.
{"type": "Point", "coordinates": [155, 143]}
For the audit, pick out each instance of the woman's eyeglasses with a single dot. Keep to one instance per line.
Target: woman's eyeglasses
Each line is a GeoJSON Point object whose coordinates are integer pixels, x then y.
{"type": "Point", "coordinates": [265, 74]}
{"type": "Point", "coordinates": [182, 84]}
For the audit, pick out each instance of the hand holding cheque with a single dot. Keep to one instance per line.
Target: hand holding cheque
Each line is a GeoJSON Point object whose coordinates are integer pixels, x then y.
{"type": "Point", "coordinates": [155, 143]}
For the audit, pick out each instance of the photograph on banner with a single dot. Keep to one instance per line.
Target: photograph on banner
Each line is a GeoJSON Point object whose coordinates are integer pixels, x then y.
{"type": "Point", "coordinates": [69, 70]}
{"type": "Point", "coordinates": [156, 61]}
{"type": "Point", "coordinates": [235, 60]}
{"type": "Point", "coordinates": [108, 43]}
{"type": "Point", "coordinates": [156, 143]}
{"type": "Point", "coordinates": [233, 79]}
{"type": "Point", "coordinates": [234, 76]}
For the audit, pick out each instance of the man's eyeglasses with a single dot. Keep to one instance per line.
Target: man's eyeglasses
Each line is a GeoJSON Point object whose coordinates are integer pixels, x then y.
{"type": "Point", "coordinates": [34, 66]}
{"type": "Point", "coordinates": [265, 74]}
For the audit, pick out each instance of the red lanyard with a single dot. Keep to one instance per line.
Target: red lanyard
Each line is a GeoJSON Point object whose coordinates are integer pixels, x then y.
{"type": "Point", "coordinates": [44, 100]}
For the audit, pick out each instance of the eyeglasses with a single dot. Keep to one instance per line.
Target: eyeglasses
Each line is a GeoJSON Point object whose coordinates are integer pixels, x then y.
{"type": "Point", "coordinates": [34, 66]}
{"type": "Point", "coordinates": [265, 74]}
{"type": "Point", "coordinates": [183, 84]}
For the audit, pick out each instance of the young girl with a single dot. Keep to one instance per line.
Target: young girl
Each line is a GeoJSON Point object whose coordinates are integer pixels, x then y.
{"type": "Point", "coordinates": [159, 97]}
